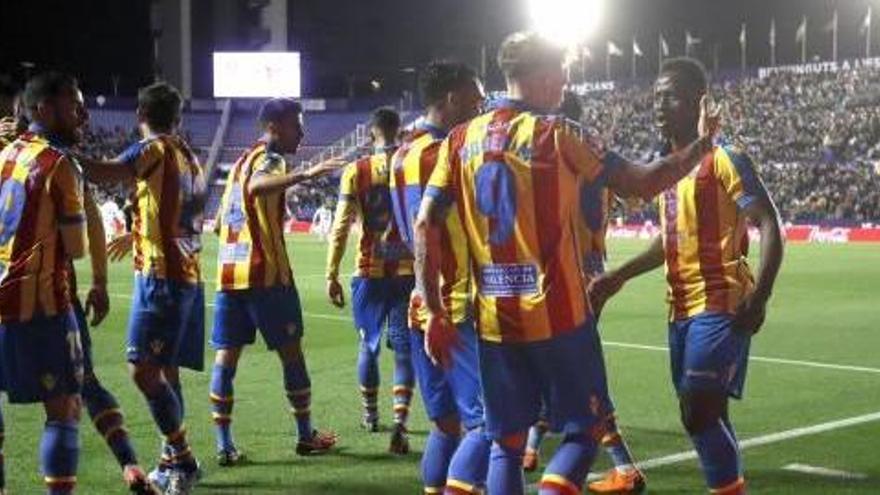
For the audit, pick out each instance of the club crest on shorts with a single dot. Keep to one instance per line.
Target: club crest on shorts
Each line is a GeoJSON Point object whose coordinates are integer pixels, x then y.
{"type": "Point", "coordinates": [156, 346]}
{"type": "Point", "coordinates": [48, 381]}
{"type": "Point", "coordinates": [291, 328]}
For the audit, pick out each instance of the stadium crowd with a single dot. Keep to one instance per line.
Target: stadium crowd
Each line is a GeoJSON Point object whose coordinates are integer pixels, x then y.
{"type": "Point", "coordinates": [815, 137]}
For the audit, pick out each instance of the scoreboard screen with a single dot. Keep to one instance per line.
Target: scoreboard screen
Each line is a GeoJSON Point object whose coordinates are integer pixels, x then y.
{"type": "Point", "coordinates": [256, 74]}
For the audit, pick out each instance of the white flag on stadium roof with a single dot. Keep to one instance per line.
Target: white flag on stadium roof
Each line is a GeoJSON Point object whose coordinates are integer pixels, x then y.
{"type": "Point", "coordinates": [866, 24]}
{"type": "Point", "coordinates": [742, 35]}
{"type": "Point", "coordinates": [801, 32]}
{"type": "Point", "coordinates": [637, 51]}
{"type": "Point", "coordinates": [691, 40]}
{"type": "Point", "coordinates": [614, 50]}
{"type": "Point", "coordinates": [664, 47]}
{"type": "Point", "coordinates": [832, 24]}
{"type": "Point", "coordinates": [773, 32]}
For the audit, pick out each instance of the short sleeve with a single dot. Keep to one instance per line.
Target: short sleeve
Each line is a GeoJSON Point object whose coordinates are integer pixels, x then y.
{"type": "Point", "coordinates": [347, 182]}
{"type": "Point", "coordinates": [67, 194]}
{"type": "Point", "coordinates": [270, 165]}
{"type": "Point", "coordinates": [441, 183]}
{"type": "Point", "coordinates": [737, 175]}
{"type": "Point", "coordinates": [584, 155]}
{"type": "Point", "coordinates": [144, 156]}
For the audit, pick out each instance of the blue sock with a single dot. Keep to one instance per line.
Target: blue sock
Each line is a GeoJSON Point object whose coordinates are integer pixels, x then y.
{"type": "Point", "coordinates": [719, 455]}
{"type": "Point", "coordinates": [59, 456]}
{"type": "Point", "coordinates": [368, 377]}
{"type": "Point", "coordinates": [165, 409]}
{"type": "Point", "coordinates": [505, 471]}
{"type": "Point", "coordinates": [222, 401]}
{"type": "Point", "coordinates": [570, 465]}
{"type": "Point", "coordinates": [439, 448]}
{"type": "Point", "coordinates": [470, 463]}
{"type": "Point", "coordinates": [2, 459]}
{"type": "Point", "coordinates": [299, 394]}
{"type": "Point", "coordinates": [108, 420]}
{"type": "Point", "coordinates": [616, 448]}
{"type": "Point", "coordinates": [404, 381]}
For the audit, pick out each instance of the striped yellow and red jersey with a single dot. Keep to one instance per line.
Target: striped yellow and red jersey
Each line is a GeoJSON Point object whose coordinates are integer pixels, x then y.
{"type": "Point", "coordinates": [364, 195]}
{"type": "Point", "coordinates": [412, 166]}
{"type": "Point", "coordinates": [41, 208]}
{"type": "Point", "coordinates": [705, 238]}
{"type": "Point", "coordinates": [167, 208]}
{"type": "Point", "coordinates": [514, 177]}
{"type": "Point", "coordinates": [252, 252]}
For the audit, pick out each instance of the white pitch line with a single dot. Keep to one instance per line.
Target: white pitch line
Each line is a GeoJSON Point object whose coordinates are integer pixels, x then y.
{"type": "Point", "coordinates": [794, 362]}
{"type": "Point", "coordinates": [823, 471]}
{"type": "Point", "coordinates": [768, 439]}
{"type": "Point", "coordinates": [626, 345]}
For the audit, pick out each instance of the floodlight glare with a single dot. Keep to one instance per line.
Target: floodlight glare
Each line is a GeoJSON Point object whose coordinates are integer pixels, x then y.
{"type": "Point", "coordinates": [566, 22]}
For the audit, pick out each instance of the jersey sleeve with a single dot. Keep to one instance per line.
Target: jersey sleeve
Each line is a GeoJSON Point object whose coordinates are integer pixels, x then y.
{"type": "Point", "coordinates": [441, 184]}
{"type": "Point", "coordinates": [347, 182]}
{"type": "Point", "coordinates": [67, 193]}
{"type": "Point", "coordinates": [270, 165]}
{"type": "Point", "coordinates": [584, 155]}
{"type": "Point", "coordinates": [143, 156]}
{"type": "Point", "coordinates": [737, 175]}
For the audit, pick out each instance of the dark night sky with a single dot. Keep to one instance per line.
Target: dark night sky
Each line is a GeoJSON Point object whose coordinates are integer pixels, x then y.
{"type": "Point", "coordinates": [376, 38]}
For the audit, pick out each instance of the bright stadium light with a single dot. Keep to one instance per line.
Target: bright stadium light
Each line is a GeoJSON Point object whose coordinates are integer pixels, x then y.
{"type": "Point", "coordinates": [566, 22]}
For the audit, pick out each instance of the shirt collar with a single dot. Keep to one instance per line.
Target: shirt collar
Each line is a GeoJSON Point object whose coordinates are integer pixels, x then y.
{"type": "Point", "coordinates": [436, 132]}
{"type": "Point", "coordinates": [518, 105]}
{"type": "Point", "coordinates": [39, 130]}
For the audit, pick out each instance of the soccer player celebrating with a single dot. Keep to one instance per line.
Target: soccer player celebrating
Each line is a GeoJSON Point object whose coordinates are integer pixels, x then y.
{"type": "Point", "coordinates": [513, 175]}
{"type": "Point", "coordinates": [322, 221]}
{"type": "Point", "coordinates": [715, 305]}
{"type": "Point", "coordinates": [453, 400]}
{"type": "Point", "coordinates": [166, 327]}
{"type": "Point", "coordinates": [382, 282]}
{"type": "Point", "coordinates": [42, 227]}
{"type": "Point", "coordinates": [255, 283]}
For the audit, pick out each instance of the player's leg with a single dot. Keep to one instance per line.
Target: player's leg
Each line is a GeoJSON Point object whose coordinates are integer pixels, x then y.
{"type": "Point", "coordinates": [404, 375]}
{"type": "Point", "coordinates": [440, 408]}
{"type": "Point", "coordinates": [537, 432]}
{"type": "Point", "coordinates": [470, 463]}
{"type": "Point", "coordinates": [714, 363]}
{"type": "Point", "coordinates": [233, 329]}
{"type": "Point", "coordinates": [159, 310]}
{"type": "Point", "coordinates": [277, 312]}
{"type": "Point", "coordinates": [512, 397]}
{"type": "Point", "coordinates": [367, 301]}
{"type": "Point", "coordinates": [59, 445]}
{"type": "Point", "coordinates": [573, 371]}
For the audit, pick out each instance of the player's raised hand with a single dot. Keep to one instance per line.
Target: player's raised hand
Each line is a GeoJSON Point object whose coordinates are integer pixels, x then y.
{"type": "Point", "coordinates": [603, 288]}
{"type": "Point", "coordinates": [335, 293]}
{"type": "Point", "coordinates": [440, 337]}
{"type": "Point", "coordinates": [118, 248]}
{"type": "Point", "coordinates": [710, 117]}
{"type": "Point", "coordinates": [97, 304]}
{"type": "Point", "coordinates": [324, 168]}
{"type": "Point", "coordinates": [750, 315]}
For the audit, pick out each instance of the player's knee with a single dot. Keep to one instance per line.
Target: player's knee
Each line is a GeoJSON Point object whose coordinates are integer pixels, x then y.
{"type": "Point", "coordinates": [228, 358]}
{"type": "Point", "coordinates": [291, 352]}
{"type": "Point", "coordinates": [701, 411]}
{"type": "Point", "coordinates": [147, 377]}
{"type": "Point", "coordinates": [515, 442]}
{"type": "Point", "coordinates": [64, 408]}
{"type": "Point", "coordinates": [449, 425]}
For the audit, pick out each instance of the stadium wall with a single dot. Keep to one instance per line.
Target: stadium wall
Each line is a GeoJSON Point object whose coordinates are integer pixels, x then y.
{"type": "Point", "coordinates": [794, 233]}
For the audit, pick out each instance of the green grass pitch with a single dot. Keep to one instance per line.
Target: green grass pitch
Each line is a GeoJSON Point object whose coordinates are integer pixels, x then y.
{"type": "Point", "coordinates": [826, 309]}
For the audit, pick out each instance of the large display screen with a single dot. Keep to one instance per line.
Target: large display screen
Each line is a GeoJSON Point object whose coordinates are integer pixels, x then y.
{"type": "Point", "coordinates": [256, 74]}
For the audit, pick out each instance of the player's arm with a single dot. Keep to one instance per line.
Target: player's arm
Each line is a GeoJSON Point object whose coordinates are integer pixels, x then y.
{"type": "Point", "coordinates": [67, 190]}
{"type": "Point", "coordinates": [739, 178]}
{"type": "Point", "coordinates": [346, 212]}
{"type": "Point", "coordinates": [606, 285]}
{"type": "Point", "coordinates": [427, 252]}
{"type": "Point", "coordinates": [269, 183]}
{"type": "Point", "coordinates": [97, 301]}
{"type": "Point", "coordinates": [107, 171]}
{"type": "Point", "coordinates": [647, 180]}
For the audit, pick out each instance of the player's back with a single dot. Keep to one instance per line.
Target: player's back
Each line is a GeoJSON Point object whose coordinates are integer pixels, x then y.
{"type": "Point", "coordinates": [705, 236]}
{"type": "Point", "coordinates": [381, 252]}
{"type": "Point", "coordinates": [412, 166]}
{"type": "Point", "coordinates": [515, 176]}
{"type": "Point", "coordinates": [252, 252]}
{"type": "Point", "coordinates": [167, 208]}
{"type": "Point", "coordinates": [40, 194]}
